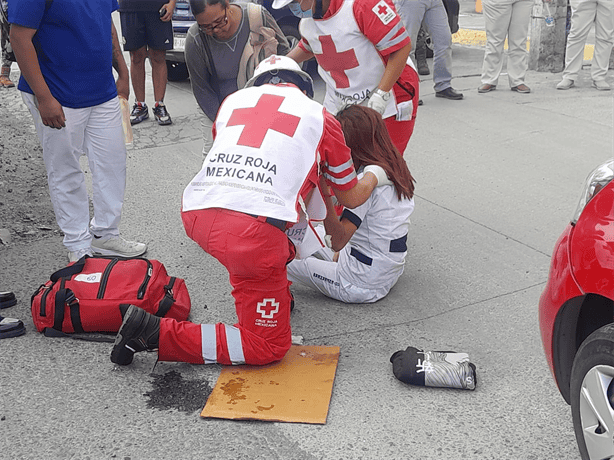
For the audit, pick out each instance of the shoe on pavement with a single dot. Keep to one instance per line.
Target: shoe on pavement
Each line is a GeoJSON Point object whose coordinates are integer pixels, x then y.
{"type": "Point", "coordinates": [522, 88]}
{"type": "Point", "coordinates": [7, 299]}
{"type": "Point", "coordinates": [73, 256]}
{"type": "Point", "coordinates": [565, 83]}
{"type": "Point", "coordinates": [601, 85]}
{"type": "Point", "coordinates": [486, 88]}
{"type": "Point", "coordinates": [161, 114]}
{"type": "Point", "coordinates": [139, 113]}
{"type": "Point", "coordinates": [11, 327]}
{"type": "Point", "coordinates": [117, 246]}
{"type": "Point", "coordinates": [449, 93]}
{"type": "Point", "coordinates": [420, 102]}
{"type": "Point", "coordinates": [423, 68]}
{"type": "Point", "coordinates": [6, 82]}
{"type": "Point", "coordinates": [140, 331]}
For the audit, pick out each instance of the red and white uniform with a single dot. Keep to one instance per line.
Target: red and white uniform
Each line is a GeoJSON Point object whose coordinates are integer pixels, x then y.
{"type": "Point", "coordinates": [271, 144]}
{"type": "Point", "coordinates": [352, 43]}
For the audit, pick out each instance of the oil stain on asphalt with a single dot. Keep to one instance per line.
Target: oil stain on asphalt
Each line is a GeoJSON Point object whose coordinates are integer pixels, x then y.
{"type": "Point", "coordinates": [172, 391]}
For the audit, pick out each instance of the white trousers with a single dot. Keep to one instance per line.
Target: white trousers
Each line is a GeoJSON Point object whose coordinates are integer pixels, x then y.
{"type": "Point", "coordinates": [412, 13]}
{"type": "Point", "coordinates": [583, 14]}
{"type": "Point", "coordinates": [324, 276]}
{"type": "Point", "coordinates": [506, 19]}
{"type": "Point", "coordinates": [98, 133]}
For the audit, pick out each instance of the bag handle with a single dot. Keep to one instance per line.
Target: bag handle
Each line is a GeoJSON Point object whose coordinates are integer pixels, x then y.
{"type": "Point", "coordinates": [71, 270]}
{"type": "Point", "coordinates": [62, 298]}
{"type": "Point", "coordinates": [167, 302]}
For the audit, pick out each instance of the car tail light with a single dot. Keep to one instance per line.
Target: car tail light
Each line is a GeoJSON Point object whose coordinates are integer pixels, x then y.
{"type": "Point", "coordinates": [595, 182]}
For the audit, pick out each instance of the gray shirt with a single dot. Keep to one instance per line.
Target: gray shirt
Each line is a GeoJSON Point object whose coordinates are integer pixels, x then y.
{"type": "Point", "coordinates": [226, 58]}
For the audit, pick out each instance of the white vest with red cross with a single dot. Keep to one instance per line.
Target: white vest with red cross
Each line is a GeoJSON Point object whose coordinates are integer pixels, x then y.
{"type": "Point", "coordinates": [348, 62]}
{"type": "Point", "coordinates": [266, 145]}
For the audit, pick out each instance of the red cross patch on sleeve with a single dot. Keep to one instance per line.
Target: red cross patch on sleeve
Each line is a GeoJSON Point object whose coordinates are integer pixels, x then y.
{"type": "Point", "coordinates": [384, 12]}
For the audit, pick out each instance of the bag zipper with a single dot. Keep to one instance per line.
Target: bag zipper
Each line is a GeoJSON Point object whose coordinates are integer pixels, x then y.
{"type": "Point", "coordinates": [143, 287]}
{"type": "Point", "coordinates": [43, 308]}
{"type": "Point", "coordinates": [107, 271]}
{"type": "Point", "coordinates": [105, 279]}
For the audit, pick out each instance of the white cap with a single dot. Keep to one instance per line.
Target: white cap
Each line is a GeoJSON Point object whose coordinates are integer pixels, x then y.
{"type": "Point", "coordinates": [278, 4]}
{"type": "Point", "coordinates": [275, 63]}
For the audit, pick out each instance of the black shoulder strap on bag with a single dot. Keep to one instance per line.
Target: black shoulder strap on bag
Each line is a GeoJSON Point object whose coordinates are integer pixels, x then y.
{"type": "Point", "coordinates": [71, 270]}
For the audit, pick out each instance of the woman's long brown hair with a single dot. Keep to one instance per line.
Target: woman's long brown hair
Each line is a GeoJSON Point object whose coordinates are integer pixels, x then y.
{"type": "Point", "coordinates": [367, 136]}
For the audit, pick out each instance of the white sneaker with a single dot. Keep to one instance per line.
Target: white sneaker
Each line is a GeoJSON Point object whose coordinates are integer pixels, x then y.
{"type": "Point", "coordinates": [601, 85]}
{"type": "Point", "coordinates": [565, 83]}
{"type": "Point", "coordinates": [117, 246]}
{"type": "Point", "coordinates": [73, 256]}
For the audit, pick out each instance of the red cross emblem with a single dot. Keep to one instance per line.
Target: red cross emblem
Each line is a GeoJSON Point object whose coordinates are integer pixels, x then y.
{"type": "Point", "coordinates": [382, 9]}
{"type": "Point", "coordinates": [273, 59]}
{"type": "Point", "coordinates": [336, 63]}
{"type": "Point", "coordinates": [266, 309]}
{"type": "Point", "coordinates": [259, 119]}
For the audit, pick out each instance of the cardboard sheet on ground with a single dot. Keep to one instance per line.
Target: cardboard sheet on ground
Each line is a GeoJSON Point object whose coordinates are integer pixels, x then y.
{"type": "Point", "coordinates": [296, 389]}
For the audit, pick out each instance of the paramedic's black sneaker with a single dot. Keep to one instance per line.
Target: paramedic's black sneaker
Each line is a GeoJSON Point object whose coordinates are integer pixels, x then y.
{"type": "Point", "coordinates": [7, 299]}
{"type": "Point", "coordinates": [140, 331]}
{"type": "Point", "coordinates": [11, 327]}
{"type": "Point", "coordinates": [139, 113]}
{"type": "Point", "coordinates": [161, 114]}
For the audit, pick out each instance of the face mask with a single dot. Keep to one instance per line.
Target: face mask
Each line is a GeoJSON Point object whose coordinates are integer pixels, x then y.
{"type": "Point", "coordinates": [296, 10]}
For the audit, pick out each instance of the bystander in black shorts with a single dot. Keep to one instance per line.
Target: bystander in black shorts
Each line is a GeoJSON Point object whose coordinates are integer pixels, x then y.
{"type": "Point", "coordinates": [140, 28]}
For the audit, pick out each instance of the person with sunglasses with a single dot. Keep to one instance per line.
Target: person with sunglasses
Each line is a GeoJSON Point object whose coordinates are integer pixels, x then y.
{"type": "Point", "coordinates": [222, 50]}
{"type": "Point", "coordinates": [362, 51]}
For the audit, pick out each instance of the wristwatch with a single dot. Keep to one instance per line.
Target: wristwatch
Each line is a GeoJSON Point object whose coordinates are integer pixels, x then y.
{"type": "Point", "coordinates": [385, 94]}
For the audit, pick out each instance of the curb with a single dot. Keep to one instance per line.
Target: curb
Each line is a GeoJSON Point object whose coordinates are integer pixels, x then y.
{"type": "Point", "coordinates": [477, 38]}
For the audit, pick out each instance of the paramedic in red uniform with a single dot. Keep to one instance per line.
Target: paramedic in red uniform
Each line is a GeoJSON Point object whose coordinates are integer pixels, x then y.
{"type": "Point", "coordinates": [272, 144]}
{"type": "Point", "coordinates": [362, 49]}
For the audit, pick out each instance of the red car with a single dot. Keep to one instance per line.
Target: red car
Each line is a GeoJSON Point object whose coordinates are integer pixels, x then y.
{"type": "Point", "coordinates": [576, 315]}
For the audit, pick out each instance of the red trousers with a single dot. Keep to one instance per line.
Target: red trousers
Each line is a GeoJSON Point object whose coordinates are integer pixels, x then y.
{"type": "Point", "coordinates": [401, 131]}
{"type": "Point", "coordinates": [255, 254]}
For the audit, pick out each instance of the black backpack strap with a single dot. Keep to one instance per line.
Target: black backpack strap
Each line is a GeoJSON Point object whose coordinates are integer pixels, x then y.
{"type": "Point", "coordinates": [168, 300]}
{"type": "Point", "coordinates": [71, 270]}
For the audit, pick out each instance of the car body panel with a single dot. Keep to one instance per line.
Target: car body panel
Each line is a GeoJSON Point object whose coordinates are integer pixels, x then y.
{"type": "Point", "coordinates": [561, 286]}
{"type": "Point", "coordinates": [592, 255]}
{"type": "Point", "coordinates": [579, 295]}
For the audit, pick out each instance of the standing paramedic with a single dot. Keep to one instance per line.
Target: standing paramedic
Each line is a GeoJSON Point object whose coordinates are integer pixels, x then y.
{"type": "Point", "coordinates": [272, 143]}
{"type": "Point", "coordinates": [66, 52]}
{"type": "Point", "coordinates": [362, 50]}
{"type": "Point", "coordinates": [148, 32]}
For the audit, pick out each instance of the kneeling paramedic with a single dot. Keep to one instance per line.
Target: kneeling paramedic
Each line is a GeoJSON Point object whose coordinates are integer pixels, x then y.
{"type": "Point", "coordinates": [272, 144]}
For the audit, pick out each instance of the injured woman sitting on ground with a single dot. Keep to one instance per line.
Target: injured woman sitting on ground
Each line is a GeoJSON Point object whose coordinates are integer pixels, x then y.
{"type": "Point", "coordinates": [368, 244]}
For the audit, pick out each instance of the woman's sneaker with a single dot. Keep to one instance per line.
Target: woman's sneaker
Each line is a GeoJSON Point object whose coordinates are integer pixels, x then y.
{"type": "Point", "coordinates": [117, 246]}
{"type": "Point", "coordinates": [139, 113]}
